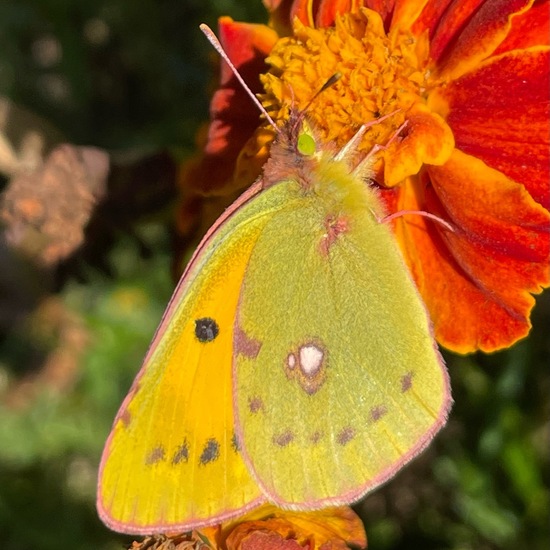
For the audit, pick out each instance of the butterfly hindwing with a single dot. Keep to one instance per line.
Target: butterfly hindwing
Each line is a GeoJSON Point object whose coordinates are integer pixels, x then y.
{"type": "Point", "coordinates": [337, 379]}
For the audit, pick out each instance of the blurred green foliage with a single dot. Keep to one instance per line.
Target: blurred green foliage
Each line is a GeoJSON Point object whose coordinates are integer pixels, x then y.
{"type": "Point", "coordinates": [133, 75]}
{"type": "Point", "coordinates": [110, 72]}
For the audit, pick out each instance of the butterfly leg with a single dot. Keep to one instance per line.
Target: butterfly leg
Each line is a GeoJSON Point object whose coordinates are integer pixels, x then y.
{"type": "Point", "coordinates": [352, 145]}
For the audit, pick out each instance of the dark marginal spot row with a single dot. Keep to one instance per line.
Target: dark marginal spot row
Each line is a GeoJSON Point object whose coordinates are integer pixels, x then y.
{"type": "Point", "coordinates": [255, 404]}
{"type": "Point", "coordinates": [345, 435]}
{"type": "Point", "coordinates": [155, 456]}
{"type": "Point", "coordinates": [235, 445]}
{"type": "Point", "coordinates": [376, 413]}
{"type": "Point", "coordinates": [210, 453]}
{"type": "Point", "coordinates": [206, 329]}
{"type": "Point", "coordinates": [315, 437]}
{"type": "Point", "coordinates": [406, 382]}
{"type": "Point", "coordinates": [182, 454]}
{"type": "Point", "coordinates": [283, 439]}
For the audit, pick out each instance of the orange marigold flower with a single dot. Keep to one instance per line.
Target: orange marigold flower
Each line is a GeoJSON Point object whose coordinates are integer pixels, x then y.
{"type": "Point", "coordinates": [268, 527]}
{"type": "Point", "coordinates": [470, 78]}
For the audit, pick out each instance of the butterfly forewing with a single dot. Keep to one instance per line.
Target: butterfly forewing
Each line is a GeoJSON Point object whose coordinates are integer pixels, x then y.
{"type": "Point", "coordinates": [172, 460]}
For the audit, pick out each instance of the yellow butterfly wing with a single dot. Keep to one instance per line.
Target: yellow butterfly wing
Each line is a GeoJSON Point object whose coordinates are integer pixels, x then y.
{"type": "Point", "coordinates": [172, 460]}
{"type": "Point", "coordinates": [338, 381]}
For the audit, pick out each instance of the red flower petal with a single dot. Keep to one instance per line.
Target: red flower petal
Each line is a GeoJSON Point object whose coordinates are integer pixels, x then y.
{"type": "Point", "coordinates": [328, 10]}
{"type": "Point", "coordinates": [499, 113]}
{"type": "Point", "coordinates": [406, 13]}
{"type": "Point", "coordinates": [322, 13]}
{"type": "Point", "coordinates": [531, 28]}
{"type": "Point", "coordinates": [383, 7]}
{"type": "Point", "coordinates": [327, 529]}
{"type": "Point", "coordinates": [495, 259]}
{"type": "Point", "coordinates": [430, 17]}
{"type": "Point", "coordinates": [303, 10]}
{"type": "Point", "coordinates": [259, 540]}
{"type": "Point", "coordinates": [313, 14]}
{"type": "Point", "coordinates": [446, 21]}
{"type": "Point", "coordinates": [465, 37]}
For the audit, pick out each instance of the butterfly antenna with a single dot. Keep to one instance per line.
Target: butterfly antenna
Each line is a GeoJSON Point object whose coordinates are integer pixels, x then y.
{"type": "Point", "coordinates": [219, 48]}
{"type": "Point", "coordinates": [330, 82]}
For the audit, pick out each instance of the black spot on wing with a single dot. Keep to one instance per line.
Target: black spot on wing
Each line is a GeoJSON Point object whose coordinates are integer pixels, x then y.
{"type": "Point", "coordinates": [315, 437]}
{"type": "Point", "coordinates": [206, 329]}
{"type": "Point", "coordinates": [181, 454]}
{"type": "Point", "coordinates": [235, 445]}
{"type": "Point", "coordinates": [155, 456]}
{"type": "Point", "coordinates": [210, 452]}
{"type": "Point", "coordinates": [406, 382]}
{"type": "Point", "coordinates": [283, 439]}
{"type": "Point", "coordinates": [345, 435]}
{"type": "Point", "coordinates": [125, 417]}
{"type": "Point", "coordinates": [255, 404]}
{"type": "Point", "coordinates": [376, 413]}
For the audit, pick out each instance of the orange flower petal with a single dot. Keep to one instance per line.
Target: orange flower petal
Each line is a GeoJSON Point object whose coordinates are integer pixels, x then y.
{"type": "Point", "coordinates": [331, 528]}
{"type": "Point", "coordinates": [282, 13]}
{"type": "Point", "coordinates": [321, 13]}
{"type": "Point", "coordinates": [482, 34]}
{"type": "Point", "coordinates": [530, 28]}
{"type": "Point", "coordinates": [327, 11]}
{"type": "Point", "coordinates": [331, 524]}
{"type": "Point", "coordinates": [211, 534]}
{"type": "Point", "coordinates": [499, 113]}
{"type": "Point", "coordinates": [253, 156]}
{"type": "Point", "coordinates": [428, 141]}
{"type": "Point", "coordinates": [384, 8]}
{"type": "Point", "coordinates": [263, 535]}
{"type": "Point", "coordinates": [495, 259]}
{"type": "Point", "coordinates": [407, 12]}
{"type": "Point", "coordinates": [303, 10]}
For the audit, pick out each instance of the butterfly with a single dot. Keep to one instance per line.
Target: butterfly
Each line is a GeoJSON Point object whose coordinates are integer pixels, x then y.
{"type": "Point", "coordinates": [295, 363]}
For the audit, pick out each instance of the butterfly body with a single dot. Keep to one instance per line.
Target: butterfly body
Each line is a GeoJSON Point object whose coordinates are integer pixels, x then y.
{"type": "Point", "coordinates": [299, 305]}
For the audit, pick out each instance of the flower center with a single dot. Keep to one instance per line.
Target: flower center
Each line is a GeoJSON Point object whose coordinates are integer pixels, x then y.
{"type": "Point", "coordinates": [381, 73]}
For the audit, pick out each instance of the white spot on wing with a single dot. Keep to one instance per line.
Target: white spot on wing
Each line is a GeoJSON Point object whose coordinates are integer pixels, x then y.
{"type": "Point", "coordinates": [291, 361]}
{"type": "Point", "coordinates": [311, 359]}
{"type": "Point", "coordinates": [306, 363]}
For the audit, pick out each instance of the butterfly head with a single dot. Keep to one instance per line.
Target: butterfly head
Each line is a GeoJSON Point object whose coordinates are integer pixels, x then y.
{"type": "Point", "coordinates": [295, 152]}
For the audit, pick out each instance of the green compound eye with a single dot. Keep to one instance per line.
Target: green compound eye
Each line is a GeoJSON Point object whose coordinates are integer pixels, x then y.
{"type": "Point", "coordinates": [306, 145]}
